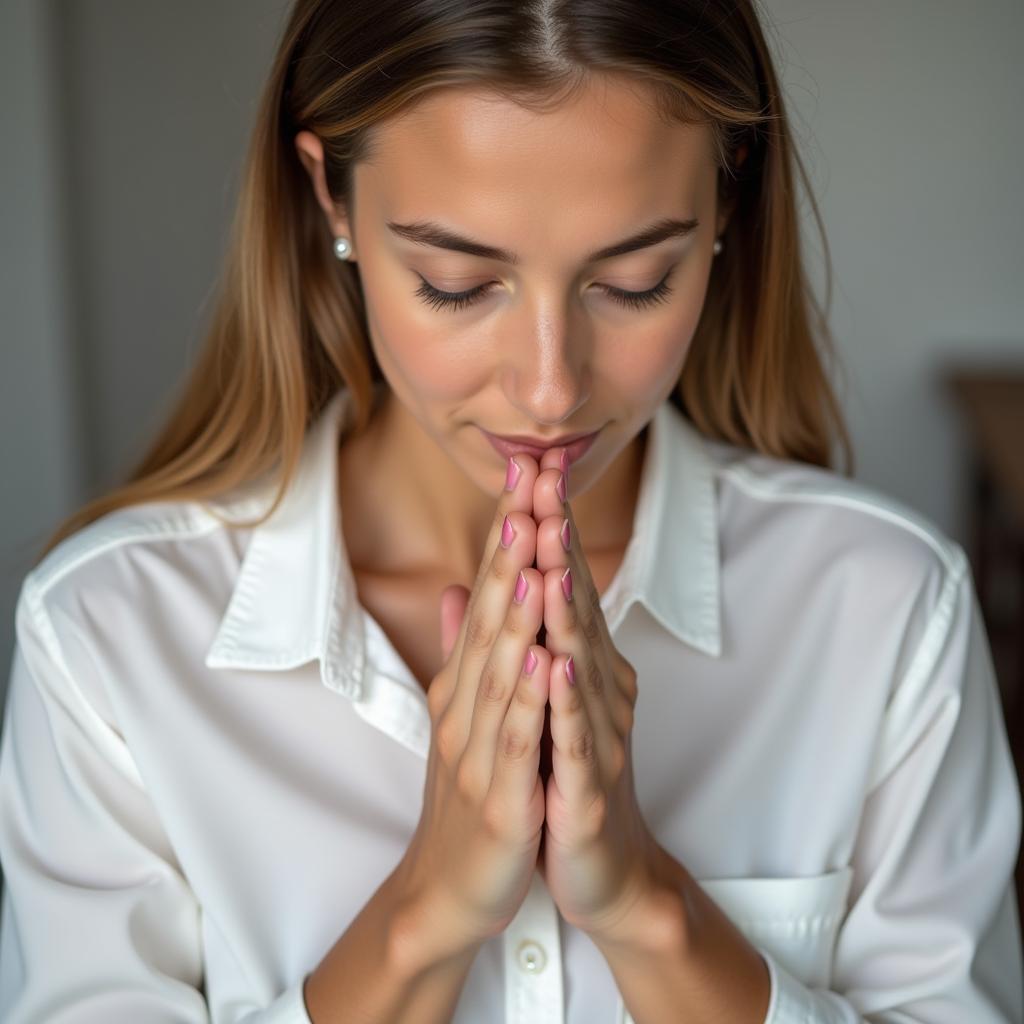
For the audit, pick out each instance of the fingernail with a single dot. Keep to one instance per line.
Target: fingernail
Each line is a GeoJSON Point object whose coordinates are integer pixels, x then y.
{"type": "Point", "coordinates": [560, 487]}
{"type": "Point", "coordinates": [508, 534]}
{"type": "Point", "coordinates": [565, 460]}
{"type": "Point", "coordinates": [570, 671]}
{"type": "Point", "coordinates": [531, 663]}
{"type": "Point", "coordinates": [567, 584]}
{"type": "Point", "coordinates": [566, 535]}
{"type": "Point", "coordinates": [512, 474]}
{"type": "Point", "coordinates": [521, 587]}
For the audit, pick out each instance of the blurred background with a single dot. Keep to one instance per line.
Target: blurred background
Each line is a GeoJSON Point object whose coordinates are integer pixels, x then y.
{"type": "Point", "coordinates": [125, 123]}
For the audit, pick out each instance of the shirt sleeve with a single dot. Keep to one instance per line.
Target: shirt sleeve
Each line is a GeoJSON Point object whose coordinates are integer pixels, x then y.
{"type": "Point", "coordinates": [98, 922]}
{"type": "Point", "coordinates": [932, 931]}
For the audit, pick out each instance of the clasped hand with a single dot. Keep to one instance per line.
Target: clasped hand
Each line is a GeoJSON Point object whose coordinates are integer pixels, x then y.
{"type": "Point", "coordinates": [597, 856]}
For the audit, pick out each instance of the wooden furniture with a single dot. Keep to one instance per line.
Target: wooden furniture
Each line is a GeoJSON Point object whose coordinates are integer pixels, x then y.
{"type": "Point", "coordinates": [991, 402]}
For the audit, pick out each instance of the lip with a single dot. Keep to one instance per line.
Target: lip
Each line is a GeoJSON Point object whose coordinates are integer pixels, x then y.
{"type": "Point", "coordinates": [575, 446]}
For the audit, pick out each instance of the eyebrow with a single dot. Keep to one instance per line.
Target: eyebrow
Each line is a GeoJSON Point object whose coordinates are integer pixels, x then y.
{"type": "Point", "coordinates": [427, 232]}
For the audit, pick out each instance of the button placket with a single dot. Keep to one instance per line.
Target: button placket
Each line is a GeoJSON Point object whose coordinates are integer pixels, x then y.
{"type": "Point", "coordinates": [533, 961]}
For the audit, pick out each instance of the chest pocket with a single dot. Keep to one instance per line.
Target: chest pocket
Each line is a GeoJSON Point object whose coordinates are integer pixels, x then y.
{"type": "Point", "coordinates": [793, 919]}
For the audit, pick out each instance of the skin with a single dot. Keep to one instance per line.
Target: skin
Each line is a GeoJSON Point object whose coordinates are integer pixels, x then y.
{"type": "Point", "coordinates": [544, 352]}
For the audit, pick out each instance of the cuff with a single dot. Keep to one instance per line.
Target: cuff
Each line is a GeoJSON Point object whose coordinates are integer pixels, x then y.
{"type": "Point", "coordinates": [792, 1002]}
{"type": "Point", "coordinates": [288, 1008]}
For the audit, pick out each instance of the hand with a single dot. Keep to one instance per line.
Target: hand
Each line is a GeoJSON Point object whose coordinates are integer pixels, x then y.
{"type": "Point", "coordinates": [471, 859]}
{"type": "Point", "coordinates": [599, 858]}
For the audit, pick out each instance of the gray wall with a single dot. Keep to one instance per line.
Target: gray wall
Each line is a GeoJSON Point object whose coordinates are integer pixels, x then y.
{"type": "Point", "coordinates": [124, 124]}
{"type": "Point", "coordinates": [909, 113]}
{"type": "Point", "coordinates": [124, 121]}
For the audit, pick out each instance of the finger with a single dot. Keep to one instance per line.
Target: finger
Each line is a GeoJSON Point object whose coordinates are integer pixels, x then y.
{"type": "Point", "coordinates": [502, 673]}
{"type": "Point", "coordinates": [574, 761]}
{"type": "Point", "coordinates": [551, 512]}
{"type": "Point", "coordinates": [521, 472]}
{"type": "Point", "coordinates": [516, 775]}
{"type": "Point", "coordinates": [595, 682]}
{"type": "Point", "coordinates": [547, 496]}
{"type": "Point", "coordinates": [485, 620]}
{"type": "Point", "coordinates": [553, 531]}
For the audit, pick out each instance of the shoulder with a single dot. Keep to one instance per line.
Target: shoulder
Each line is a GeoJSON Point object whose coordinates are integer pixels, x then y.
{"type": "Point", "coordinates": [132, 555]}
{"type": "Point", "coordinates": [814, 524]}
{"type": "Point", "coordinates": [824, 494]}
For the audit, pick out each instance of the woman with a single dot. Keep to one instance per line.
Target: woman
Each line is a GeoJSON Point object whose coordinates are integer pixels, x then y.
{"type": "Point", "coordinates": [344, 708]}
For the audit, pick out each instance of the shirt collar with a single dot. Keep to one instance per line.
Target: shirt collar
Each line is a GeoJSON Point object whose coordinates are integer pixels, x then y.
{"type": "Point", "coordinates": [295, 598]}
{"type": "Point", "coordinates": [671, 564]}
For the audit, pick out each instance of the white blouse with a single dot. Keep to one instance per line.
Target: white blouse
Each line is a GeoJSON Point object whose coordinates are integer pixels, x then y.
{"type": "Point", "coordinates": [212, 756]}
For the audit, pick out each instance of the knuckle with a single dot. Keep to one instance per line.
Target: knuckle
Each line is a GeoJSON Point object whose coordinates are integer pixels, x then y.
{"type": "Point", "coordinates": [592, 630]}
{"type": "Point", "coordinates": [492, 690]}
{"type": "Point", "coordinates": [522, 698]}
{"type": "Point", "coordinates": [626, 718]}
{"type": "Point", "coordinates": [434, 700]}
{"type": "Point", "coordinates": [495, 817]}
{"type": "Point", "coordinates": [514, 745]}
{"type": "Point", "coordinates": [466, 782]}
{"type": "Point", "coordinates": [514, 624]}
{"type": "Point", "coordinates": [479, 636]}
{"type": "Point", "coordinates": [627, 673]}
{"type": "Point", "coordinates": [502, 569]}
{"type": "Point", "coordinates": [581, 748]}
{"type": "Point", "coordinates": [594, 676]}
{"type": "Point", "coordinates": [446, 740]}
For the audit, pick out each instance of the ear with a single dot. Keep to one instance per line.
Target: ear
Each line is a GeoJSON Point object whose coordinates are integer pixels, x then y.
{"type": "Point", "coordinates": [723, 219]}
{"type": "Point", "coordinates": [727, 204]}
{"type": "Point", "coordinates": [310, 150]}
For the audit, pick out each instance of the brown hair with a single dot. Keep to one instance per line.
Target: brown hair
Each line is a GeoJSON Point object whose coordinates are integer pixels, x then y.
{"type": "Point", "coordinates": [289, 325]}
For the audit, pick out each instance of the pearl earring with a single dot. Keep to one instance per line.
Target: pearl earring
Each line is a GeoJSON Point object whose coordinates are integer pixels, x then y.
{"type": "Point", "coordinates": [342, 247]}
{"type": "Point", "coordinates": [717, 247]}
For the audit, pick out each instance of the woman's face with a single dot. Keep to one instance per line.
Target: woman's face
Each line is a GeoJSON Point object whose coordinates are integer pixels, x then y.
{"type": "Point", "coordinates": [544, 345]}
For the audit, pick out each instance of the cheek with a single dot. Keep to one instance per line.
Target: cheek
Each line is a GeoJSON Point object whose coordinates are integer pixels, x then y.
{"type": "Point", "coordinates": [640, 365]}
{"type": "Point", "coordinates": [657, 347]}
{"type": "Point", "coordinates": [641, 358]}
{"type": "Point", "coordinates": [417, 353]}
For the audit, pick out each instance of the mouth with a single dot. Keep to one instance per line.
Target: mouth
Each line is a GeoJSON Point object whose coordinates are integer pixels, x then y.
{"type": "Point", "coordinates": [575, 447]}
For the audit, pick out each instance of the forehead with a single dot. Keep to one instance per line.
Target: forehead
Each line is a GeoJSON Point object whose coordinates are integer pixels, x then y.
{"type": "Point", "coordinates": [471, 149]}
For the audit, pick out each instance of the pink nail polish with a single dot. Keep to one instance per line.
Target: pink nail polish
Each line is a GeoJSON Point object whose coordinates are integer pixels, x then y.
{"type": "Point", "coordinates": [521, 587]}
{"type": "Point", "coordinates": [531, 663]}
{"type": "Point", "coordinates": [566, 535]}
{"type": "Point", "coordinates": [560, 487]}
{"type": "Point", "coordinates": [565, 460]}
{"type": "Point", "coordinates": [512, 474]}
{"type": "Point", "coordinates": [570, 671]}
{"type": "Point", "coordinates": [508, 533]}
{"type": "Point", "coordinates": [567, 584]}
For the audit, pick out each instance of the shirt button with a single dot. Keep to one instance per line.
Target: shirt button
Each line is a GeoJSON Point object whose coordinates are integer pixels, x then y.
{"type": "Point", "coordinates": [531, 956]}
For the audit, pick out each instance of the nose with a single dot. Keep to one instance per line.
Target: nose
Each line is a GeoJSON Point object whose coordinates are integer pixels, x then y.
{"type": "Point", "coordinates": [547, 375]}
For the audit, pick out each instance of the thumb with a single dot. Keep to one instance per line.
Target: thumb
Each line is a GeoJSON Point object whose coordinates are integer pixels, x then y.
{"type": "Point", "coordinates": [454, 599]}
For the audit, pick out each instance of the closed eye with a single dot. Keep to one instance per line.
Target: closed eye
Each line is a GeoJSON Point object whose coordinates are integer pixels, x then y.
{"type": "Point", "coordinates": [438, 299]}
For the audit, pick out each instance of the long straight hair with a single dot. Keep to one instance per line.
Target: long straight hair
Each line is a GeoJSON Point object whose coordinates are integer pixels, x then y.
{"type": "Point", "coordinates": [289, 325]}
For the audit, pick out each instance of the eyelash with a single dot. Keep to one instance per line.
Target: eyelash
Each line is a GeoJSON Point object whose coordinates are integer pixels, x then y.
{"type": "Point", "coordinates": [438, 299]}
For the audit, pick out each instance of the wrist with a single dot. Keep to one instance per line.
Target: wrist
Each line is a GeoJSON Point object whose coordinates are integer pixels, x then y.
{"type": "Point", "coordinates": [424, 932]}
{"type": "Point", "coordinates": [653, 919]}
